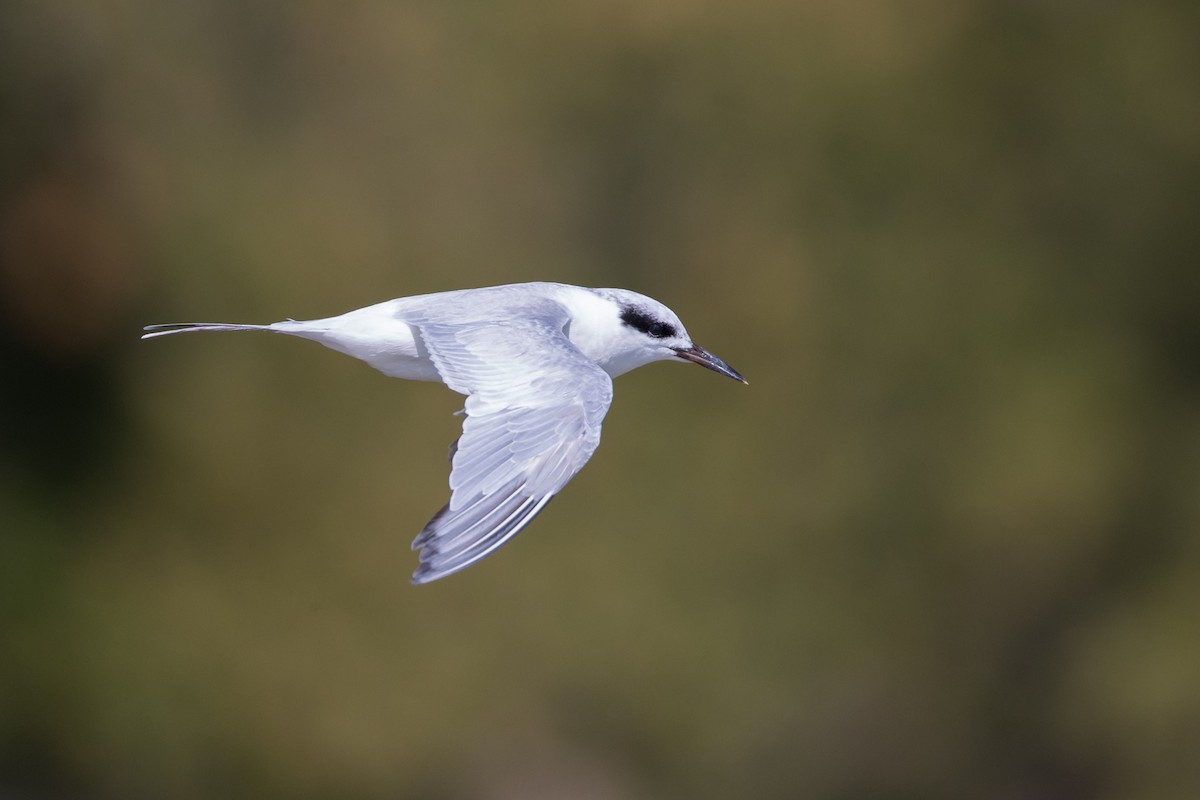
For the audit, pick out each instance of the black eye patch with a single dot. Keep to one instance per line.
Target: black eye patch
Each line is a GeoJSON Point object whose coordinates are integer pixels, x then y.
{"type": "Point", "coordinates": [641, 321]}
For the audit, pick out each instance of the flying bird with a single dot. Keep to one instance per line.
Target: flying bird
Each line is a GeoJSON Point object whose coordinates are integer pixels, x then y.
{"type": "Point", "coordinates": [536, 363]}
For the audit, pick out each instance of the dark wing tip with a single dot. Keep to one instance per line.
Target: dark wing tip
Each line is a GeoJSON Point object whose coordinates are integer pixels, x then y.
{"type": "Point", "coordinates": [509, 511]}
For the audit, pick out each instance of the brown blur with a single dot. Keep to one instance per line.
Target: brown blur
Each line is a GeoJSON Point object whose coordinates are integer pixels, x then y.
{"type": "Point", "coordinates": [945, 545]}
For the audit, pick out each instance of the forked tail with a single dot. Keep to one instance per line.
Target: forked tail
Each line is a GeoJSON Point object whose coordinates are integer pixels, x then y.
{"type": "Point", "coordinates": [184, 327]}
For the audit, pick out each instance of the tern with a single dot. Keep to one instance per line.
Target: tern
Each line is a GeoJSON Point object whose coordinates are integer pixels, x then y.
{"type": "Point", "coordinates": [536, 363]}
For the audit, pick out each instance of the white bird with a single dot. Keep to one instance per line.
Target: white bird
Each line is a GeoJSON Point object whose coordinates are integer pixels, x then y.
{"type": "Point", "coordinates": [536, 362]}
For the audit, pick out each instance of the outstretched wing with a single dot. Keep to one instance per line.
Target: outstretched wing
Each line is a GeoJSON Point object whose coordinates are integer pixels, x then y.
{"type": "Point", "coordinates": [533, 413]}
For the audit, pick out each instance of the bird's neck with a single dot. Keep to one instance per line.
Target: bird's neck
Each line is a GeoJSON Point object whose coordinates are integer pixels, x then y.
{"type": "Point", "coordinates": [595, 328]}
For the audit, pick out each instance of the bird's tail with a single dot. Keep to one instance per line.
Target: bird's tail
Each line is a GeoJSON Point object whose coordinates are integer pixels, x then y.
{"type": "Point", "coordinates": [184, 327]}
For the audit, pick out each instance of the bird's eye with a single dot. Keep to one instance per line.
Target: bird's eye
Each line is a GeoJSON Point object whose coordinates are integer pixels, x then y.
{"type": "Point", "coordinates": [641, 321]}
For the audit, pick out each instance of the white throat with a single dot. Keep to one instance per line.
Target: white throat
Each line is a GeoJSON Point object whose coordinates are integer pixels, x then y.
{"type": "Point", "coordinates": [596, 329]}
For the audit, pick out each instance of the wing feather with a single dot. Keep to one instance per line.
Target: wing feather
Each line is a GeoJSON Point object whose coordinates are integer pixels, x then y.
{"type": "Point", "coordinates": [534, 409]}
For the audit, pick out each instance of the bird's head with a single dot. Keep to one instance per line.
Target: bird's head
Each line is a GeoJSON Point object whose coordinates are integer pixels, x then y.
{"type": "Point", "coordinates": [636, 329]}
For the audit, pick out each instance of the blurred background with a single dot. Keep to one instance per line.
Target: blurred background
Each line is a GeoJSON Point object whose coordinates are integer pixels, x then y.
{"type": "Point", "coordinates": [946, 545]}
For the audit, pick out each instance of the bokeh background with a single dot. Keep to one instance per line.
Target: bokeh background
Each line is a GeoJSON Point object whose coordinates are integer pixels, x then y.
{"type": "Point", "coordinates": [946, 545]}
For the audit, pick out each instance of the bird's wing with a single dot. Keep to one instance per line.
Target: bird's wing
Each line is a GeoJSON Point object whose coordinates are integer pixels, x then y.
{"type": "Point", "coordinates": [533, 413]}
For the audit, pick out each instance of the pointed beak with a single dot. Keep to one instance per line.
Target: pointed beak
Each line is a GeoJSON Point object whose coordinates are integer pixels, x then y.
{"type": "Point", "coordinates": [698, 355]}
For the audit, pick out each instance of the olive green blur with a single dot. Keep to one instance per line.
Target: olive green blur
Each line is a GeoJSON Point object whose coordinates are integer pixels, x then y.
{"type": "Point", "coordinates": [945, 545]}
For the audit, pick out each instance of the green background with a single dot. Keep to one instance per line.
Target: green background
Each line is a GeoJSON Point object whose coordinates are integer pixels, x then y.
{"type": "Point", "coordinates": [945, 545]}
